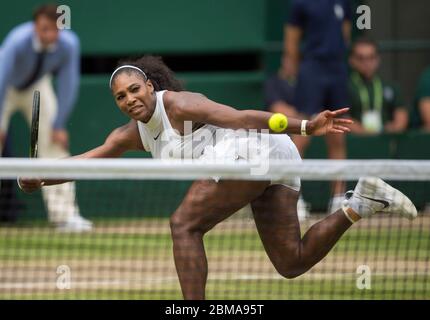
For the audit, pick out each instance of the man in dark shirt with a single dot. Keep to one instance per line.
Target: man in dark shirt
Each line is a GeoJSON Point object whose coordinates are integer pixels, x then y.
{"type": "Point", "coordinates": [323, 29]}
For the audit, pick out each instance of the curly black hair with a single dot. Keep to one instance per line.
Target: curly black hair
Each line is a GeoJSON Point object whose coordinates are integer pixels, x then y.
{"type": "Point", "coordinates": [155, 69]}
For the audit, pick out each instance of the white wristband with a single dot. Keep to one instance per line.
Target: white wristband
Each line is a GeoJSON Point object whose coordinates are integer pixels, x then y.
{"type": "Point", "coordinates": [303, 128]}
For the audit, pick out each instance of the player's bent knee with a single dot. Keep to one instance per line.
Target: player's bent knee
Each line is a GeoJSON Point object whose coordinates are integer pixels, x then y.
{"type": "Point", "coordinates": [289, 271]}
{"type": "Point", "coordinates": [290, 274]}
{"type": "Point", "coordinates": [181, 226]}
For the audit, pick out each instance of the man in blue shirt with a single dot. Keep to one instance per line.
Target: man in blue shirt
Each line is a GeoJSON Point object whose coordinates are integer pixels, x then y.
{"type": "Point", "coordinates": [323, 29]}
{"type": "Point", "coordinates": [29, 55]}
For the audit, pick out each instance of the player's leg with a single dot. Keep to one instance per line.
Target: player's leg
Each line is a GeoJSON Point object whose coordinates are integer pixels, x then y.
{"type": "Point", "coordinates": [277, 223]}
{"type": "Point", "coordinates": [206, 204]}
{"type": "Point", "coordinates": [275, 213]}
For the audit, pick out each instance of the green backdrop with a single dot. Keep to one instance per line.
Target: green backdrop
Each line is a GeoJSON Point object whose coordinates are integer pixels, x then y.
{"type": "Point", "coordinates": [136, 26]}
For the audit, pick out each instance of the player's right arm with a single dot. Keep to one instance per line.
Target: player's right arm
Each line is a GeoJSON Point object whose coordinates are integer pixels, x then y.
{"type": "Point", "coordinates": [122, 139]}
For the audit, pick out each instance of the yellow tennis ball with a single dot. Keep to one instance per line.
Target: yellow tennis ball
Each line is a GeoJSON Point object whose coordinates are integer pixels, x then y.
{"type": "Point", "coordinates": [278, 122]}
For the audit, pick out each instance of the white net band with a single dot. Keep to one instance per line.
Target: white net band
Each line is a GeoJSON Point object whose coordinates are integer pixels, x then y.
{"type": "Point", "coordinates": [11, 168]}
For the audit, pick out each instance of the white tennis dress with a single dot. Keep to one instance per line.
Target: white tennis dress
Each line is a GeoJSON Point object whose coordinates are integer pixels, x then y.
{"type": "Point", "coordinates": [214, 144]}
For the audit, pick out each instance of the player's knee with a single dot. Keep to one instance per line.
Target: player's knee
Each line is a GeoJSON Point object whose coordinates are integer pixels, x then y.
{"type": "Point", "coordinates": [290, 274]}
{"type": "Point", "coordinates": [181, 226]}
{"type": "Point", "coordinates": [178, 224]}
{"type": "Point", "coordinates": [289, 270]}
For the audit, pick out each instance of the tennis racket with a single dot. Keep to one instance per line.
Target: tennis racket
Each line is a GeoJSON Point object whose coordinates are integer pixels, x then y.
{"type": "Point", "coordinates": [34, 131]}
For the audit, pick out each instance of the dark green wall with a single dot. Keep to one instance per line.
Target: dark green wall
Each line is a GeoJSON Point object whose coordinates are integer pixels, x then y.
{"type": "Point", "coordinates": [136, 26]}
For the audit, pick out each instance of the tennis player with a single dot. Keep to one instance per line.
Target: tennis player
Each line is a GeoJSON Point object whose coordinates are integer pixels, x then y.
{"type": "Point", "coordinates": [147, 92]}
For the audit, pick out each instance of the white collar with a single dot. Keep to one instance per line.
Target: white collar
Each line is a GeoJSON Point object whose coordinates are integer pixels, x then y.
{"type": "Point", "coordinates": [37, 45]}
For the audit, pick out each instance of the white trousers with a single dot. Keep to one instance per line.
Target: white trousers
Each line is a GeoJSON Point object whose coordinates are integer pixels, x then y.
{"type": "Point", "coordinates": [60, 200]}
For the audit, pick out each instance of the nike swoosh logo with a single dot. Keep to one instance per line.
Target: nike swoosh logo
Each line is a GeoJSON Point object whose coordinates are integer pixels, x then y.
{"type": "Point", "coordinates": [157, 136]}
{"type": "Point", "coordinates": [385, 203]}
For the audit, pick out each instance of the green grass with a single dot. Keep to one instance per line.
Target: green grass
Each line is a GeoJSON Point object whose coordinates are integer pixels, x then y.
{"type": "Point", "coordinates": [382, 288]}
{"type": "Point", "coordinates": [345, 289]}
{"type": "Point", "coordinates": [45, 244]}
{"type": "Point", "coordinates": [42, 246]}
{"type": "Point", "coordinates": [48, 246]}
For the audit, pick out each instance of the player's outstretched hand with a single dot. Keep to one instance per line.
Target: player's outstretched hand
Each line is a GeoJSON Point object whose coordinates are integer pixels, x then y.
{"type": "Point", "coordinates": [29, 185]}
{"type": "Point", "coordinates": [328, 122]}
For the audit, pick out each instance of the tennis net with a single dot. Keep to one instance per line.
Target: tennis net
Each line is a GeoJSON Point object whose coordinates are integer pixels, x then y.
{"type": "Point", "coordinates": [128, 254]}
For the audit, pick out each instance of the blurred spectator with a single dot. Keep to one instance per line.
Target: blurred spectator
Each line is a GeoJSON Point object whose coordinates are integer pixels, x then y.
{"type": "Point", "coordinates": [30, 54]}
{"type": "Point", "coordinates": [279, 89]}
{"type": "Point", "coordinates": [376, 105]}
{"type": "Point", "coordinates": [322, 29]}
{"type": "Point", "coordinates": [421, 113]}
{"type": "Point", "coordinates": [10, 206]}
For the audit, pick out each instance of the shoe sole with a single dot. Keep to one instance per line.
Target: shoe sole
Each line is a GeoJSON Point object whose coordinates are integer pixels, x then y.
{"type": "Point", "coordinates": [378, 190]}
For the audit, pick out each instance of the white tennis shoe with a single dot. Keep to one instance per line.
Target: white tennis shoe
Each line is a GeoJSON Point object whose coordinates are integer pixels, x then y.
{"type": "Point", "coordinates": [372, 195]}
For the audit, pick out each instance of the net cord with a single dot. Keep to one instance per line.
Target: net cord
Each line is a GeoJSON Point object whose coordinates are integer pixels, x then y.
{"type": "Point", "coordinates": [155, 169]}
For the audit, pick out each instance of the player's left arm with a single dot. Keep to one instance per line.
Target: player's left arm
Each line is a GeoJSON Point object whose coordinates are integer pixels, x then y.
{"type": "Point", "coordinates": [197, 108]}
